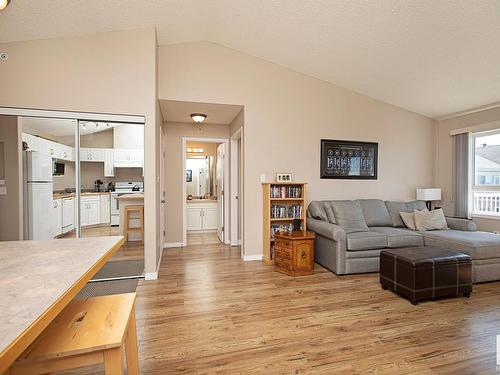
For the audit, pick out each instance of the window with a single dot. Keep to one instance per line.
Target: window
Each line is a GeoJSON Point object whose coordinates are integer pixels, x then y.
{"type": "Point", "coordinates": [486, 165]}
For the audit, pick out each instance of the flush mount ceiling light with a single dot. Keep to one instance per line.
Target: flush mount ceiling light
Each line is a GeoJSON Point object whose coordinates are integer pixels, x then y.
{"type": "Point", "coordinates": [3, 4]}
{"type": "Point", "coordinates": [198, 117]}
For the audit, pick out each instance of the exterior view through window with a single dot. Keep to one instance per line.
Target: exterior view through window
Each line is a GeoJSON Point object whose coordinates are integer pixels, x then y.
{"type": "Point", "coordinates": [486, 186]}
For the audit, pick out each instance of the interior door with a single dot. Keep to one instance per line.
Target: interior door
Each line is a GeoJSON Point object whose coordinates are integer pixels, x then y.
{"type": "Point", "coordinates": [219, 190]}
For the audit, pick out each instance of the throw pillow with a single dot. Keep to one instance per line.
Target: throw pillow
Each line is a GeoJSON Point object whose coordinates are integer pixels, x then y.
{"type": "Point", "coordinates": [349, 216]}
{"type": "Point", "coordinates": [409, 219]}
{"type": "Point", "coordinates": [430, 220]}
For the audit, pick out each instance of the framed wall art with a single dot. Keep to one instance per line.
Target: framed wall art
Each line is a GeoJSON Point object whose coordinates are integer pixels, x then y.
{"type": "Point", "coordinates": [349, 159]}
{"type": "Point", "coordinates": [189, 175]}
{"type": "Point", "coordinates": [283, 177]}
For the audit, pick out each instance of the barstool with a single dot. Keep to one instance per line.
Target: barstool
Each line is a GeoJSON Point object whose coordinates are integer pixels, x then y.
{"type": "Point", "coordinates": [140, 229]}
{"type": "Point", "coordinates": [86, 332]}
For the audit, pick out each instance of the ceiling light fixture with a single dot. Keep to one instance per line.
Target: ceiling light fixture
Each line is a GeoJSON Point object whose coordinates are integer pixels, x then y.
{"type": "Point", "coordinates": [198, 117]}
{"type": "Point", "coordinates": [3, 4]}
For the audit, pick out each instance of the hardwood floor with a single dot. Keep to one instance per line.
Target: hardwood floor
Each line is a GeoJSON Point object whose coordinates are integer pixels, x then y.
{"type": "Point", "coordinates": [210, 312]}
{"type": "Point", "coordinates": [202, 239]}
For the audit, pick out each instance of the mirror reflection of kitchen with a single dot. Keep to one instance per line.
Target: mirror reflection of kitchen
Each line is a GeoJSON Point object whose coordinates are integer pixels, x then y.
{"type": "Point", "coordinates": [204, 210]}
{"type": "Point", "coordinates": [111, 171]}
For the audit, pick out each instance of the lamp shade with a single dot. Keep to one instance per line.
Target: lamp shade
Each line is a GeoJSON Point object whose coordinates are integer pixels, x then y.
{"type": "Point", "coordinates": [429, 194]}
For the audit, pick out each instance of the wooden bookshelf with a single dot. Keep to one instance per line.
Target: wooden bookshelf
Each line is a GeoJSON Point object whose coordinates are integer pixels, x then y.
{"type": "Point", "coordinates": [281, 200]}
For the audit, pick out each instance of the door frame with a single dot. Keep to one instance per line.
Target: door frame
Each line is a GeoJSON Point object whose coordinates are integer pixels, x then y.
{"type": "Point", "coordinates": [235, 184]}
{"type": "Point", "coordinates": [225, 141]}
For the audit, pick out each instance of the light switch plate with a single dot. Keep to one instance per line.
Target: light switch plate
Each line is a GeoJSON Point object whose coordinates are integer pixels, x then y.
{"type": "Point", "coordinates": [262, 178]}
{"type": "Point", "coordinates": [3, 190]}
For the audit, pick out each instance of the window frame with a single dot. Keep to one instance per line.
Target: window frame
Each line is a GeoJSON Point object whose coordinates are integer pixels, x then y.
{"type": "Point", "coordinates": [473, 186]}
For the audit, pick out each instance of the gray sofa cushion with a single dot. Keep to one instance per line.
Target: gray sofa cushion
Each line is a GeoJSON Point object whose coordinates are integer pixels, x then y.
{"type": "Point", "coordinates": [317, 210]}
{"type": "Point", "coordinates": [479, 245]}
{"type": "Point", "coordinates": [348, 215]}
{"type": "Point", "coordinates": [375, 212]}
{"type": "Point", "coordinates": [400, 237]}
{"type": "Point", "coordinates": [396, 207]}
{"type": "Point", "coordinates": [358, 241]}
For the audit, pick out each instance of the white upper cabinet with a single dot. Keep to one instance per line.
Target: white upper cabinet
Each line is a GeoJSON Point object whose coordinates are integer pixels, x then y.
{"type": "Point", "coordinates": [92, 154]}
{"type": "Point", "coordinates": [46, 147]}
{"type": "Point", "coordinates": [109, 163]}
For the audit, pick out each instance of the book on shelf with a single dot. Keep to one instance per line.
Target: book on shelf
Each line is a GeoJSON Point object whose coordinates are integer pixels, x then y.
{"type": "Point", "coordinates": [279, 191]}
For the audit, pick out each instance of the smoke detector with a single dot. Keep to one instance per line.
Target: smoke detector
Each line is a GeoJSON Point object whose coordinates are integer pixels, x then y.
{"type": "Point", "coordinates": [4, 56]}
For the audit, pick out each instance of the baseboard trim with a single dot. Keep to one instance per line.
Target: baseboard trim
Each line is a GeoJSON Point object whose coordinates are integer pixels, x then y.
{"type": "Point", "coordinates": [168, 245]}
{"type": "Point", "coordinates": [249, 258]}
{"type": "Point", "coordinates": [151, 276]}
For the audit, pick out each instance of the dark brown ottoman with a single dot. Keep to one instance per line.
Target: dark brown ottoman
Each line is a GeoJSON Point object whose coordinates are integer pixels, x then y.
{"type": "Point", "coordinates": [420, 273]}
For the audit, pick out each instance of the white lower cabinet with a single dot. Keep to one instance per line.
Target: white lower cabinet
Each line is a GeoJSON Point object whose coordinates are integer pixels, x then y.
{"type": "Point", "coordinates": [105, 209]}
{"type": "Point", "coordinates": [56, 217]}
{"type": "Point", "coordinates": [193, 218]}
{"type": "Point", "coordinates": [201, 216]}
{"type": "Point", "coordinates": [90, 210]}
{"type": "Point", "coordinates": [209, 218]}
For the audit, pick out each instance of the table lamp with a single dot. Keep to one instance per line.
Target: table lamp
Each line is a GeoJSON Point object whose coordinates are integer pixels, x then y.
{"type": "Point", "coordinates": [428, 195]}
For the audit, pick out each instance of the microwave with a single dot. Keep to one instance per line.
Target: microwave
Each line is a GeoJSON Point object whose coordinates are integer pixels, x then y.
{"type": "Point", "coordinates": [58, 168]}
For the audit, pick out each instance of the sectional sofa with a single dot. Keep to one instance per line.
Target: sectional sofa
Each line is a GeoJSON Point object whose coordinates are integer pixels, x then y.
{"type": "Point", "coordinates": [351, 234]}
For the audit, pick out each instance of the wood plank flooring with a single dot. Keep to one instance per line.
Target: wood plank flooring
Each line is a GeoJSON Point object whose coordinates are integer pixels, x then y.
{"type": "Point", "coordinates": [212, 313]}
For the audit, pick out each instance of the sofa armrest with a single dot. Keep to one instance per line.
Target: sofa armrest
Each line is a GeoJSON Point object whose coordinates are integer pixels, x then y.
{"type": "Point", "coordinates": [461, 224]}
{"type": "Point", "coordinates": [326, 229]}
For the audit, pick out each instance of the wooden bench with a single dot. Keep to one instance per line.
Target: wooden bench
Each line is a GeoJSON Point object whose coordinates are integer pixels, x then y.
{"type": "Point", "coordinates": [86, 332]}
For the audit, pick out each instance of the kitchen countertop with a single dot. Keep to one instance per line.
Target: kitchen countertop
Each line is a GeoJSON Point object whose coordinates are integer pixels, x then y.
{"type": "Point", "coordinates": [38, 279]}
{"type": "Point", "coordinates": [134, 196]}
{"type": "Point", "coordinates": [69, 195]}
{"type": "Point", "coordinates": [201, 200]}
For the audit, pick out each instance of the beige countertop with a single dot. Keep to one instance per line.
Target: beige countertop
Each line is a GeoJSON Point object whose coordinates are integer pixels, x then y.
{"type": "Point", "coordinates": [69, 195]}
{"type": "Point", "coordinates": [38, 279]}
{"type": "Point", "coordinates": [201, 200]}
{"type": "Point", "coordinates": [129, 197]}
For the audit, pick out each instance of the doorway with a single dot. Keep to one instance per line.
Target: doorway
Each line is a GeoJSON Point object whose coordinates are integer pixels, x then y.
{"type": "Point", "coordinates": [205, 167]}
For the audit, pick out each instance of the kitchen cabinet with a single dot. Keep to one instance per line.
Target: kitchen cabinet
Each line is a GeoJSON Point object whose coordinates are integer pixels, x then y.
{"type": "Point", "coordinates": [105, 209]}
{"type": "Point", "coordinates": [129, 156]}
{"type": "Point", "coordinates": [92, 154]}
{"type": "Point", "coordinates": [68, 214]}
{"type": "Point", "coordinates": [56, 215]}
{"type": "Point", "coordinates": [109, 163]}
{"type": "Point", "coordinates": [90, 210]}
{"type": "Point", "coordinates": [201, 216]}
{"type": "Point", "coordinates": [53, 149]}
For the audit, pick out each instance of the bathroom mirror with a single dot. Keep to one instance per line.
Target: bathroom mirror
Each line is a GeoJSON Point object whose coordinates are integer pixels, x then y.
{"type": "Point", "coordinates": [199, 176]}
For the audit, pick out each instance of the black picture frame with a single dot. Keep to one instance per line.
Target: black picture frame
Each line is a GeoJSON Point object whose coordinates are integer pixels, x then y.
{"type": "Point", "coordinates": [337, 160]}
{"type": "Point", "coordinates": [189, 175]}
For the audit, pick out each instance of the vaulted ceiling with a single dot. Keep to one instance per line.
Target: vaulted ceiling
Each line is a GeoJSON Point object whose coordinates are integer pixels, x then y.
{"type": "Point", "coordinates": [433, 57]}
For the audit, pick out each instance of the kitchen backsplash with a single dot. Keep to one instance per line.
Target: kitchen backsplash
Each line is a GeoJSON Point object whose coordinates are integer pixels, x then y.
{"type": "Point", "coordinates": [94, 171]}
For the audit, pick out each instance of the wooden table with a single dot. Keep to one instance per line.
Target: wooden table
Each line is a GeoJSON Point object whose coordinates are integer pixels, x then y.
{"type": "Point", "coordinates": [38, 279]}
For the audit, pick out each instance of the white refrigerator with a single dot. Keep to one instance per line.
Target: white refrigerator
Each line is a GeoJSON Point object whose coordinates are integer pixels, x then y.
{"type": "Point", "coordinates": [38, 192]}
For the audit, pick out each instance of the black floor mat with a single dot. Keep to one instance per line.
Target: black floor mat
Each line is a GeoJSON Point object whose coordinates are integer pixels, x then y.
{"type": "Point", "coordinates": [106, 288]}
{"type": "Point", "coordinates": [122, 268]}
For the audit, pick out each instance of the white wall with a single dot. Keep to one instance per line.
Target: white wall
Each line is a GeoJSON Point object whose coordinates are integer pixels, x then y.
{"type": "Point", "coordinates": [286, 116]}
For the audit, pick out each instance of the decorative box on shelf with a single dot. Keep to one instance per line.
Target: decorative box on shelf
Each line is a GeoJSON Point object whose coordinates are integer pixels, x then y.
{"type": "Point", "coordinates": [294, 253]}
{"type": "Point", "coordinates": [284, 202]}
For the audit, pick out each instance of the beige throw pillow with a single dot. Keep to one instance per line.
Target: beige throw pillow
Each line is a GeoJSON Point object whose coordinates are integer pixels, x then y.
{"type": "Point", "coordinates": [430, 220]}
{"type": "Point", "coordinates": [409, 219]}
